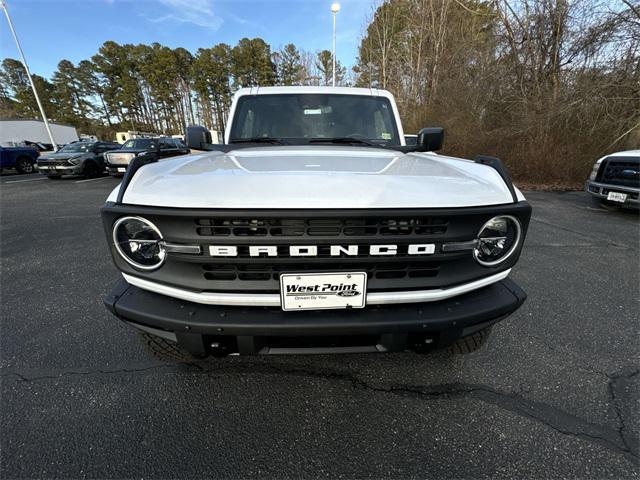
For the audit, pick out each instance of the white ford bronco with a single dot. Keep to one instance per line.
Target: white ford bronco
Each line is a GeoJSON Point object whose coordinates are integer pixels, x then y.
{"type": "Point", "coordinates": [314, 229]}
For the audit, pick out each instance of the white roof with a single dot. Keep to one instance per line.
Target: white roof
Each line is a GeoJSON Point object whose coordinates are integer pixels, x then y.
{"type": "Point", "coordinates": [626, 153]}
{"type": "Point", "coordinates": [317, 90]}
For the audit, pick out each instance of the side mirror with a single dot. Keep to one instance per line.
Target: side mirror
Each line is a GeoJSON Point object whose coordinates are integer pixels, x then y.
{"type": "Point", "coordinates": [431, 139]}
{"type": "Point", "coordinates": [197, 137]}
{"type": "Point", "coordinates": [410, 140]}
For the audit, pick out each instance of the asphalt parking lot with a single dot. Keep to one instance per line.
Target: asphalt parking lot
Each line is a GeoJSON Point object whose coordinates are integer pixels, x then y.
{"type": "Point", "coordinates": [554, 393]}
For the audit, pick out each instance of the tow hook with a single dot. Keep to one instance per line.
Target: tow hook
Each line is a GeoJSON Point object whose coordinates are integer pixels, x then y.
{"type": "Point", "coordinates": [218, 349]}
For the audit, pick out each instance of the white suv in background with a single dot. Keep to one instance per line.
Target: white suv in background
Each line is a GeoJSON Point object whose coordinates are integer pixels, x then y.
{"type": "Point", "coordinates": [615, 179]}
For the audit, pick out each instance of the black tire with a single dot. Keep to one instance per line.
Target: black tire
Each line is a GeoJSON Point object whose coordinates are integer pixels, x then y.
{"type": "Point", "coordinates": [165, 350]}
{"type": "Point", "coordinates": [90, 170]}
{"type": "Point", "coordinates": [24, 165]}
{"type": "Point", "coordinates": [470, 343]}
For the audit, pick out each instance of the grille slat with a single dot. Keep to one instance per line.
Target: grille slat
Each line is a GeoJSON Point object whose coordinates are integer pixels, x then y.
{"type": "Point", "coordinates": [327, 228]}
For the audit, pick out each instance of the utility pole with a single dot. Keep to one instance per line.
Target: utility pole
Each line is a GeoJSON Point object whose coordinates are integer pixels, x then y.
{"type": "Point", "coordinates": [335, 8]}
{"type": "Point", "coordinates": [3, 4]}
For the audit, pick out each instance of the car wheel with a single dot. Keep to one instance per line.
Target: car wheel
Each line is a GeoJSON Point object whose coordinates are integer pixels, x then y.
{"type": "Point", "coordinates": [165, 350]}
{"type": "Point", "coordinates": [90, 170]}
{"type": "Point", "coordinates": [470, 343]}
{"type": "Point", "coordinates": [24, 165]}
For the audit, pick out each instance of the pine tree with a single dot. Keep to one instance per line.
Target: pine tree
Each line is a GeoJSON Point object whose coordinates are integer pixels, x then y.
{"type": "Point", "coordinates": [324, 64]}
{"type": "Point", "coordinates": [17, 87]}
{"type": "Point", "coordinates": [290, 68]}
{"type": "Point", "coordinates": [251, 63]}
{"type": "Point", "coordinates": [211, 73]}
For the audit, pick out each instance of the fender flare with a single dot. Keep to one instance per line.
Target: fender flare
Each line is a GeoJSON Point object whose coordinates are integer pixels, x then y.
{"type": "Point", "coordinates": [498, 166]}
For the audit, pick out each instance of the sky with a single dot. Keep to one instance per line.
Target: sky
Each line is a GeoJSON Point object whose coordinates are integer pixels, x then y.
{"type": "Point", "coordinates": [50, 30]}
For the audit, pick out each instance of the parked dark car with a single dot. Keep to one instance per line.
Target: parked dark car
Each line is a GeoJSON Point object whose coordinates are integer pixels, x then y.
{"type": "Point", "coordinates": [152, 148]}
{"type": "Point", "coordinates": [77, 158]}
{"type": "Point", "coordinates": [40, 146]}
{"type": "Point", "coordinates": [22, 159]}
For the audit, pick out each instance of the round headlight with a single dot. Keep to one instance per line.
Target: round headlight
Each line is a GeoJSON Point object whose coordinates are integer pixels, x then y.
{"type": "Point", "coordinates": [497, 240]}
{"type": "Point", "coordinates": [139, 242]}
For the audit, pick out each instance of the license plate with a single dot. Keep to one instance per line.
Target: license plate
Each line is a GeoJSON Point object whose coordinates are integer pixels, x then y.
{"type": "Point", "coordinates": [322, 291]}
{"type": "Point", "coordinates": [617, 197]}
{"type": "Point", "coordinates": [121, 169]}
{"type": "Point", "coordinates": [60, 167]}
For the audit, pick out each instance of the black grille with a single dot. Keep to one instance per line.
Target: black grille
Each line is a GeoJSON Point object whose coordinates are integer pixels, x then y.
{"type": "Point", "coordinates": [320, 227]}
{"type": "Point", "coordinates": [253, 272]}
{"type": "Point", "coordinates": [623, 171]}
{"type": "Point", "coordinates": [54, 163]}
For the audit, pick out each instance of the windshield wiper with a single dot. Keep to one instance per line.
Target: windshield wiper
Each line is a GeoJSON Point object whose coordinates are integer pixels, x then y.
{"type": "Point", "coordinates": [344, 141]}
{"type": "Point", "coordinates": [272, 140]}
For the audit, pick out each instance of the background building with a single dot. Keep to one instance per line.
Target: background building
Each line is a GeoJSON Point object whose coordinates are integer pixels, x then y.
{"type": "Point", "coordinates": [18, 130]}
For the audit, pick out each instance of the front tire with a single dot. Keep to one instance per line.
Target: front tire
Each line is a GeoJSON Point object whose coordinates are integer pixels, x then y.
{"type": "Point", "coordinates": [90, 170]}
{"type": "Point", "coordinates": [24, 165]}
{"type": "Point", "coordinates": [470, 343]}
{"type": "Point", "coordinates": [165, 350]}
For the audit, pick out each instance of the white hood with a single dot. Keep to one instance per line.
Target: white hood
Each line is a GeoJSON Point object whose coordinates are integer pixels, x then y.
{"type": "Point", "coordinates": [315, 177]}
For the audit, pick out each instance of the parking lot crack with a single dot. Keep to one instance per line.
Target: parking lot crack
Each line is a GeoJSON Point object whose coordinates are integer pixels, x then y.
{"type": "Point", "coordinates": [548, 415]}
{"type": "Point", "coordinates": [620, 440]}
{"type": "Point", "coordinates": [620, 390]}
{"type": "Point", "coordinates": [38, 376]}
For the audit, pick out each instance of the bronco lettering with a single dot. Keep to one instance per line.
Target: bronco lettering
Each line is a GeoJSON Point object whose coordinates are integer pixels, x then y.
{"type": "Point", "coordinates": [334, 250]}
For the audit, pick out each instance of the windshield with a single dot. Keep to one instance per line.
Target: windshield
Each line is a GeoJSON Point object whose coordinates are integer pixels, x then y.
{"type": "Point", "coordinates": [77, 147]}
{"type": "Point", "coordinates": [139, 143]}
{"type": "Point", "coordinates": [298, 118]}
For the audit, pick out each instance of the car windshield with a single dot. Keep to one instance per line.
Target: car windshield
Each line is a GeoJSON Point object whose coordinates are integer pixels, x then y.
{"type": "Point", "coordinates": [77, 148]}
{"type": "Point", "coordinates": [313, 118]}
{"type": "Point", "coordinates": [139, 143]}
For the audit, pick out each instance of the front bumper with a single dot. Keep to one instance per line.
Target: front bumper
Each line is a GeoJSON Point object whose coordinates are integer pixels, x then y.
{"type": "Point", "coordinates": [59, 169]}
{"type": "Point", "coordinates": [116, 169]}
{"type": "Point", "coordinates": [601, 190]}
{"type": "Point", "coordinates": [261, 330]}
